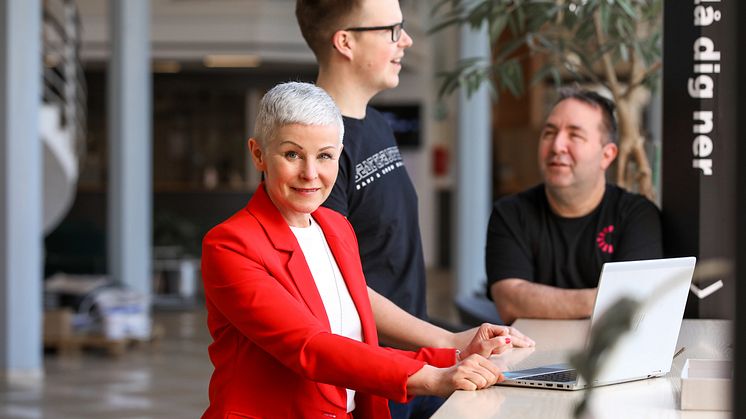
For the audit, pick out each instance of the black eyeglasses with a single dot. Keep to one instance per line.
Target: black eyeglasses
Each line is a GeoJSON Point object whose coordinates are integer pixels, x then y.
{"type": "Point", "coordinates": [395, 29]}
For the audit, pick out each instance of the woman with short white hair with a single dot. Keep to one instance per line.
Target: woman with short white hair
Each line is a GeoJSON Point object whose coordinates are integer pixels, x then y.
{"type": "Point", "coordinates": [288, 308]}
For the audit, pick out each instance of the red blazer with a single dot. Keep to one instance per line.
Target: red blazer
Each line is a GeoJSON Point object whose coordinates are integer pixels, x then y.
{"type": "Point", "coordinates": [273, 350]}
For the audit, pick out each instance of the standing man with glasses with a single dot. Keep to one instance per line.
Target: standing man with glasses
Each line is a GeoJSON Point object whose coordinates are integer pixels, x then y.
{"type": "Point", "coordinates": [359, 45]}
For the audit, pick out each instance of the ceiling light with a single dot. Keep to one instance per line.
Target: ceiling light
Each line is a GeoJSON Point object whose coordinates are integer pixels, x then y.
{"type": "Point", "coordinates": [232, 61]}
{"type": "Point", "coordinates": [166, 66]}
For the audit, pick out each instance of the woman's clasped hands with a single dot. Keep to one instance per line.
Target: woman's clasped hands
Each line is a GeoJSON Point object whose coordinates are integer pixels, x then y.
{"type": "Point", "coordinates": [490, 339]}
{"type": "Point", "coordinates": [473, 370]}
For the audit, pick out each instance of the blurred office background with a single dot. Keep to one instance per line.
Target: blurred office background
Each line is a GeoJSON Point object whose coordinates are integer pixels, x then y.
{"type": "Point", "coordinates": [142, 127]}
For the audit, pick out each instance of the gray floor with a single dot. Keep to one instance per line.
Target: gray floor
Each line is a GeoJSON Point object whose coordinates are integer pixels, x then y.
{"type": "Point", "coordinates": [166, 380]}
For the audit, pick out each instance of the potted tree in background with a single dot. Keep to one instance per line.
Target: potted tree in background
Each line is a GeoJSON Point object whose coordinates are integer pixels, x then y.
{"type": "Point", "coordinates": [615, 44]}
{"type": "Point", "coordinates": [611, 43]}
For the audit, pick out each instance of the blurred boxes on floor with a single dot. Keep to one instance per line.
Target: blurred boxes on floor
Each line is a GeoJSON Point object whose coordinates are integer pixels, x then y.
{"type": "Point", "coordinates": [125, 314]}
{"type": "Point", "coordinates": [85, 310]}
{"type": "Point", "coordinates": [58, 330]}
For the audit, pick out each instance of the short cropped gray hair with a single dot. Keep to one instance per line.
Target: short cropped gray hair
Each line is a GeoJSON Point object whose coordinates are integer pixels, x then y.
{"type": "Point", "coordinates": [295, 103]}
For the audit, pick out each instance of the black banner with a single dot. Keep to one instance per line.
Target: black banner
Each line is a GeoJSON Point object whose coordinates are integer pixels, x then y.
{"type": "Point", "coordinates": [739, 408]}
{"type": "Point", "coordinates": [699, 139]}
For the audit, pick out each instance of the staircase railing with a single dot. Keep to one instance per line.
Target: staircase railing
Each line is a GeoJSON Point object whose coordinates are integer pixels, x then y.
{"type": "Point", "coordinates": [64, 79]}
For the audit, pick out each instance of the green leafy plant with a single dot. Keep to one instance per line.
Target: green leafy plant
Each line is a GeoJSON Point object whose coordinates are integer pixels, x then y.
{"type": "Point", "coordinates": [611, 43]}
{"type": "Point", "coordinates": [612, 325]}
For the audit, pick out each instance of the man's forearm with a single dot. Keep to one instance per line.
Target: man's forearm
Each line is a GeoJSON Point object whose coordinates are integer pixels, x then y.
{"type": "Point", "coordinates": [402, 330]}
{"type": "Point", "coordinates": [516, 298]}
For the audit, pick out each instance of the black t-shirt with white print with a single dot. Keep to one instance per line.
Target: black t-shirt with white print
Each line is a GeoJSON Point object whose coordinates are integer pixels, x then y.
{"type": "Point", "coordinates": [375, 193]}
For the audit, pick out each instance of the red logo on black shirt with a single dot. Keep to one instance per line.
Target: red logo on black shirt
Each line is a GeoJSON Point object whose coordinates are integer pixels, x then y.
{"type": "Point", "coordinates": [602, 242]}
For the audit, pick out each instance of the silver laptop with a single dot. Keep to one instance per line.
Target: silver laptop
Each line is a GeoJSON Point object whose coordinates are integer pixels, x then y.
{"type": "Point", "coordinates": [647, 350]}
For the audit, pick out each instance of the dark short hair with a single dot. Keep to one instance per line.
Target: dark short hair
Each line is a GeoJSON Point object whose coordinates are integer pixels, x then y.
{"type": "Point", "coordinates": [320, 19]}
{"type": "Point", "coordinates": [595, 100]}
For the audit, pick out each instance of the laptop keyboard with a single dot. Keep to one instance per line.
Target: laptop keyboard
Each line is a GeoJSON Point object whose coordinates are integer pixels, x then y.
{"type": "Point", "coordinates": [559, 377]}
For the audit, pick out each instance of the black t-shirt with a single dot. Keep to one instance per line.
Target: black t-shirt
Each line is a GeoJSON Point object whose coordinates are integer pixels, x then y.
{"type": "Point", "coordinates": [527, 240]}
{"type": "Point", "coordinates": [375, 193]}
